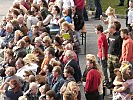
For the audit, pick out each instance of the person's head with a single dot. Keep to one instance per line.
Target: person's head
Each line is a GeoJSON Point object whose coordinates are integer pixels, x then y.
{"type": "Point", "coordinates": [65, 12]}
{"type": "Point", "coordinates": [19, 63]}
{"type": "Point", "coordinates": [47, 41]}
{"type": "Point", "coordinates": [38, 41]}
{"type": "Point", "coordinates": [10, 71]}
{"type": "Point", "coordinates": [49, 52]}
{"type": "Point", "coordinates": [14, 84]}
{"type": "Point", "coordinates": [55, 10]}
{"type": "Point", "coordinates": [9, 17]}
{"type": "Point", "coordinates": [68, 71]}
{"type": "Point", "coordinates": [131, 3]}
{"type": "Point", "coordinates": [31, 78]}
{"type": "Point", "coordinates": [117, 72]}
{"type": "Point", "coordinates": [90, 60]}
{"type": "Point", "coordinates": [26, 75]}
{"type": "Point", "coordinates": [60, 21]}
{"type": "Point", "coordinates": [112, 28]}
{"type": "Point", "coordinates": [30, 58]}
{"type": "Point", "coordinates": [20, 19]}
{"type": "Point", "coordinates": [43, 89]}
{"type": "Point", "coordinates": [69, 54]}
{"type": "Point", "coordinates": [57, 41]}
{"type": "Point", "coordinates": [117, 25]}
{"type": "Point", "coordinates": [54, 62]}
{"type": "Point", "coordinates": [48, 68]}
{"type": "Point", "coordinates": [69, 46]}
{"type": "Point", "coordinates": [9, 28]}
{"type": "Point", "coordinates": [126, 71]}
{"type": "Point", "coordinates": [50, 95]}
{"type": "Point", "coordinates": [68, 95]}
{"type": "Point", "coordinates": [37, 51]}
{"type": "Point", "coordinates": [27, 40]}
{"type": "Point", "coordinates": [21, 43]}
{"type": "Point", "coordinates": [33, 87]}
{"type": "Point", "coordinates": [34, 29]}
{"type": "Point", "coordinates": [124, 33]}
{"type": "Point", "coordinates": [66, 26]}
{"type": "Point", "coordinates": [40, 79]}
{"type": "Point", "coordinates": [99, 29]}
{"type": "Point", "coordinates": [15, 14]}
{"type": "Point", "coordinates": [73, 87]}
{"type": "Point", "coordinates": [8, 53]}
{"type": "Point", "coordinates": [110, 11]}
{"type": "Point", "coordinates": [56, 71]}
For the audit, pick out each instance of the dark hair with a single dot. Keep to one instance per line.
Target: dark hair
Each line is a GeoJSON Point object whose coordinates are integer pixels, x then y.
{"type": "Point", "coordinates": [124, 31]}
{"type": "Point", "coordinates": [57, 9]}
{"type": "Point", "coordinates": [30, 12]}
{"type": "Point", "coordinates": [117, 25]}
{"type": "Point", "coordinates": [58, 40]}
{"type": "Point", "coordinates": [99, 28]}
{"type": "Point", "coordinates": [49, 67]}
{"type": "Point", "coordinates": [70, 12]}
{"type": "Point", "coordinates": [51, 93]}
{"type": "Point", "coordinates": [69, 70]}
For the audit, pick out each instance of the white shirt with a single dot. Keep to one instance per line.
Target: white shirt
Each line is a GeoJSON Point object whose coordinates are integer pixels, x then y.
{"type": "Point", "coordinates": [20, 72]}
{"type": "Point", "coordinates": [130, 15]}
{"type": "Point", "coordinates": [68, 3]}
{"type": "Point", "coordinates": [33, 67]}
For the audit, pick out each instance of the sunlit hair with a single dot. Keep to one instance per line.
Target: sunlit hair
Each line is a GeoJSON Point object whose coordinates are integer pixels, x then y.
{"type": "Point", "coordinates": [14, 85]}
{"type": "Point", "coordinates": [110, 11]}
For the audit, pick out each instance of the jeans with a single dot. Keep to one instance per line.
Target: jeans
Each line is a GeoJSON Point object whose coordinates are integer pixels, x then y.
{"type": "Point", "coordinates": [98, 8]}
{"type": "Point", "coordinates": [90, 4]}
{"type": "Point", "coordinates": [104, 65]}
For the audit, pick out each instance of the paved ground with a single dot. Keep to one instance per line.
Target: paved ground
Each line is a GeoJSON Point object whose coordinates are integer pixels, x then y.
{"type": "Point", "coordinates": [91, 36]}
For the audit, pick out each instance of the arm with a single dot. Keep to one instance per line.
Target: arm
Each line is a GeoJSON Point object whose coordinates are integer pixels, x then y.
{"type": "Point", "coordinates": [116, 82]}
{"type": "Point", "coordinates": [72, 3]}
{"type": "Point", "coordinates": [123, 88]}
{"type": "Point", "coordinates": [103, 56]}
{"type": "Point", "coordinates": [104, 21]}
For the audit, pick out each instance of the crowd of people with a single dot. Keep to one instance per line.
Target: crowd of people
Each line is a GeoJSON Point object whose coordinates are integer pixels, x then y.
{"type": "Point", "coordinates": [41, 47]}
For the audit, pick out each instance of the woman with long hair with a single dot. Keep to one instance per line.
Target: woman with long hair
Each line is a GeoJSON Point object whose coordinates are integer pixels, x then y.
{"type": "Point", "coordinates": [94, 77]}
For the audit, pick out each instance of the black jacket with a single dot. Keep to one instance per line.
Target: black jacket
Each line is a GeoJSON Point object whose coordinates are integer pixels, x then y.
{"type": "Point", "coordinates": [77, 70]}
{"type": "Point", "coordinates": [115, 44]}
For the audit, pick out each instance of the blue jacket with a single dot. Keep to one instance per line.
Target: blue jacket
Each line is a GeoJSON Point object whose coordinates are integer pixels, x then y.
{"type": "Point", "coordinates": [56, 86]}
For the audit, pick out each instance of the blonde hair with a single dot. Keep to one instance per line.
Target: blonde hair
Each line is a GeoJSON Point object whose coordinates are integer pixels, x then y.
{"type": "Point", "coordinates": [30, 58]}
{"type": "Point", "coordinates": [70, 88]}
{"type": "Point", "coordinates": [69, 25]}
{"type": "Point", "coordinates": [47, 39]}
{"type": "Point", "coordinates": [110, 11]}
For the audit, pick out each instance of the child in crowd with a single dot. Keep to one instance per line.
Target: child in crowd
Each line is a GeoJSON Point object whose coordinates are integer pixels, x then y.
{"type": "Point", "coordinates": [110, 12]}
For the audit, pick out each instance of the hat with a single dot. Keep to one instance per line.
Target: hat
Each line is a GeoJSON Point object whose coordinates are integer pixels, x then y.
{"type": "Point", "coordinates": [91, 57]}
{"type": "Point", "coordinates": [38, 39]}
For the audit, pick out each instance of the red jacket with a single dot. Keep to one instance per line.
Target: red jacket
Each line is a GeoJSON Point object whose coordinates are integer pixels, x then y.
{"type": "Point", "coordinates": [79, 4]}
{"type": "Point", "coordinates": [92, 81]}
{"type": "Point", "coordinates": [127, 50]}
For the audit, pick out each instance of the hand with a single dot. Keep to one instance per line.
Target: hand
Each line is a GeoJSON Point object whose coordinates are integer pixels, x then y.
{"type": "Point", "coordinates": [101, 17]}
{"type": "Point", "coordinates": [103, 58]}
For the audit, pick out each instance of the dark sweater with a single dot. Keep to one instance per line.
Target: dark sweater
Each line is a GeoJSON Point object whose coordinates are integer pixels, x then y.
{"type": "Point", "coordinates": [115, 44]}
